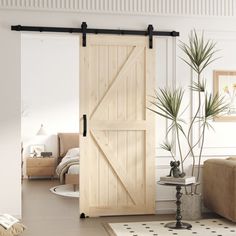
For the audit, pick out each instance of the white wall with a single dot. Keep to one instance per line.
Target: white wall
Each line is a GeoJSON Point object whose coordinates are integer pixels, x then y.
{"type": "Point", "coordinates": [10, 180]}
{"type": "Point", "coordinates": [49, 88]}
{"type": "Point", "coordinates": [216, 28]}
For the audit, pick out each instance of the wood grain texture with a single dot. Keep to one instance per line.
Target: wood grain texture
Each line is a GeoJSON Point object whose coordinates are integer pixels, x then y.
{"type": "Point", "coordinates": [40, 166]}
{"type": "Point", "coordinates": [84, 141]}
{"type": "Point", "coordinates": [112, 136]}
{"type": "Point", "coordinates": [118, 155]}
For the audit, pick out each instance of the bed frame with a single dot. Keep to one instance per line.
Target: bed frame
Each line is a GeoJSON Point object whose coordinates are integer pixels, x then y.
{"type": "Point", "coordinates": [65, 142]}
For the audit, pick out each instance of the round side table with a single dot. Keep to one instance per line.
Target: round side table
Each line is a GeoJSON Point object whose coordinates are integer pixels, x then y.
{"type": "Point", "coordinates": [178, 224]}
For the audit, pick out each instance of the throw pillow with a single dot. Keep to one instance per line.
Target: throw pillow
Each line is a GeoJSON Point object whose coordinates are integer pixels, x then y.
{"type": "Point", "coordinates": [14, 230]}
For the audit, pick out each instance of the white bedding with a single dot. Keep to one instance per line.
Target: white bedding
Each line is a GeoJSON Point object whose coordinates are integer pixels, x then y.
{"type": "Point", "coordinates": [69, 161]}
{"type": "Point", "coordinates": [74, 169]}
{"type": "Point", "coordinates": [71, 156]}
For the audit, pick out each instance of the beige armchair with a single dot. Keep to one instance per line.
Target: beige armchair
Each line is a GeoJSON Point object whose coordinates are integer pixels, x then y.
{"type": "Point", "coordinates": [219, 186]}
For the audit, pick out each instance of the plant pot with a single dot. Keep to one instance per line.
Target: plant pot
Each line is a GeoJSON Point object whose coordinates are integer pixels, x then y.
{"type": "Point", "coordinates": [191, 206]}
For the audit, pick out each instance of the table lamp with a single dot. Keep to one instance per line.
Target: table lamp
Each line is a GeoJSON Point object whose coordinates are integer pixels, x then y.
{"type": "Point", "coordinates": [41, 131]}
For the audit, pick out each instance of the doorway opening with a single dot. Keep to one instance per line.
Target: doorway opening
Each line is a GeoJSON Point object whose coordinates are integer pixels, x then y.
{"type": "Point", "coordinates": [49, 107]}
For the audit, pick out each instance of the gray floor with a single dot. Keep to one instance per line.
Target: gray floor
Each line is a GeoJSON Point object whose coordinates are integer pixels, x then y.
{"type": "Point", "coordinates": [47, 214]}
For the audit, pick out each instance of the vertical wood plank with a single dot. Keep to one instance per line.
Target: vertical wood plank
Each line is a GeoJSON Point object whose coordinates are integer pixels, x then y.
{"type": "Point", "coordinates": [94, 152]}
{"type": "Point", "coordinates": [131, 115]}
{"type": "Point", "coordinates": [103, 85]}
{"type": "Point", "coordinates": [122, 137]}
{"type": "Point", "coordinates": [141, 106]}
{"type": "Point", "coordinates": [84, 146]}
{"type": "Point", "coordinates": [150, 132]}
{"type": "Point", "coordinates": [112, 201]}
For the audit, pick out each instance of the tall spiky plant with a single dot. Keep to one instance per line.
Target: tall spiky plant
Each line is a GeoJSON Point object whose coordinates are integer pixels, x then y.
{"type": "Point", "coordinates": [167, 103]}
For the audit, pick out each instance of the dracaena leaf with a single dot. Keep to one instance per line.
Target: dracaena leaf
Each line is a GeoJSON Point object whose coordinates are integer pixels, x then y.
{"type": "Point", "coordinates": [199, 52]}
{"type": "Point", "coordinates": [214, 106]}
{"type": "Point", "coordinates": [167, 146]}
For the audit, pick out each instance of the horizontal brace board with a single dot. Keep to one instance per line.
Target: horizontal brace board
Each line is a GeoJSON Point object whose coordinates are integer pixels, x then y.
{"type": "Point", "coordinates": [118, 125]}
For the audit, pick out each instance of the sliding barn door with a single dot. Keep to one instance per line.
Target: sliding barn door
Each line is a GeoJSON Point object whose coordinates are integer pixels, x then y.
{"type": "Point", "coordinates": [118, 149]}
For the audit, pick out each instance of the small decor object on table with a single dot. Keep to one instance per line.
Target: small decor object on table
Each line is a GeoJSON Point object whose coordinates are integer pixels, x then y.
{"type": "Point", "coordinates": [46, 154]}
{"type": "Point", "coordinates": [178, 224]}
{"type": "Point", "coordinates": [175, 171]}
{"type": "Point", "coordinates": [35, 150]}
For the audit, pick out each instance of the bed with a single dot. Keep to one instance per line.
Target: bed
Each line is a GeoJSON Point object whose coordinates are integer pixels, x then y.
{"type": "Point", "coordinates": [68, 159]}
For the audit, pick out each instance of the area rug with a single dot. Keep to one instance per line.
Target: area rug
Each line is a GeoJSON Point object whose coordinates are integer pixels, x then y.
{"type": "Point", "coordinates": [205, 227]}
{"type": "Point", "coordinates": [65, 190]}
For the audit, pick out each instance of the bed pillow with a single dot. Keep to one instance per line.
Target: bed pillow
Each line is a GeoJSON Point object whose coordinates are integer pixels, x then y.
{"type": "Point", "coordinates": [14, 230]}
{"type": "Point", "coordinates": [73, 152]}
{"type": "Point", "coordinates": [233, 158]}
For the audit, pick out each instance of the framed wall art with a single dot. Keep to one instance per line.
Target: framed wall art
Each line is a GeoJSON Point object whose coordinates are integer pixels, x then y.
{"type": "Point", "coordinates": [225, 86]}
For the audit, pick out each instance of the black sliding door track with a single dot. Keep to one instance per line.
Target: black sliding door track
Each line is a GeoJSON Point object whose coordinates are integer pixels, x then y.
{"type": "Point", "coordinates": [84, 30]}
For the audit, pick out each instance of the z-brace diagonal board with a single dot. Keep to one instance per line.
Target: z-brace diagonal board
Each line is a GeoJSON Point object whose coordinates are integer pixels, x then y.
{"type": "Point", "coordinates": [115, 165]}
{"type": "Point", "coordinates": [121, 75]}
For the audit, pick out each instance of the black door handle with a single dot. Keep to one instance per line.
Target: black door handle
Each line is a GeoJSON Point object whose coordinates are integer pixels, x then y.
{"type": "Point", "coordinates": [84, 125]}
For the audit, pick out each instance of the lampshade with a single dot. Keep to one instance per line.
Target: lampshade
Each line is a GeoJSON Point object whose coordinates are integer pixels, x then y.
{"type": "Point", "coordinates": [41, 131]}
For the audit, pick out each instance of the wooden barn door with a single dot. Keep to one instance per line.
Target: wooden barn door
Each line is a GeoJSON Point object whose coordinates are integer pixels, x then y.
{"type": "Point", "coordinates": [117, 154]}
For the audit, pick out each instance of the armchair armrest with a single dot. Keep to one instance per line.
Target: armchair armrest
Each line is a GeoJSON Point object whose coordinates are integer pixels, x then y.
{"type": "Point", "coordinates": [219, 187]}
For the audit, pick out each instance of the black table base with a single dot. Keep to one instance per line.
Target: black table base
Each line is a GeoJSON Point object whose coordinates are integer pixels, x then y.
{"type": "Point", "coordinates": [182, 225]}
{"type": "Point", "coordinates": [178, 224]}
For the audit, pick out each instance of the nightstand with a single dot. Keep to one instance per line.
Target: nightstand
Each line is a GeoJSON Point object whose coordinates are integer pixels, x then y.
{"type": "Point", "coordinates": [40, 166]}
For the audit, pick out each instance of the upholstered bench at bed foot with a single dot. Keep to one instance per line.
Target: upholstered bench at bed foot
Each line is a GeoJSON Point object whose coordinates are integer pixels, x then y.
{"type": "Point", "coordinates": [72, 179]}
